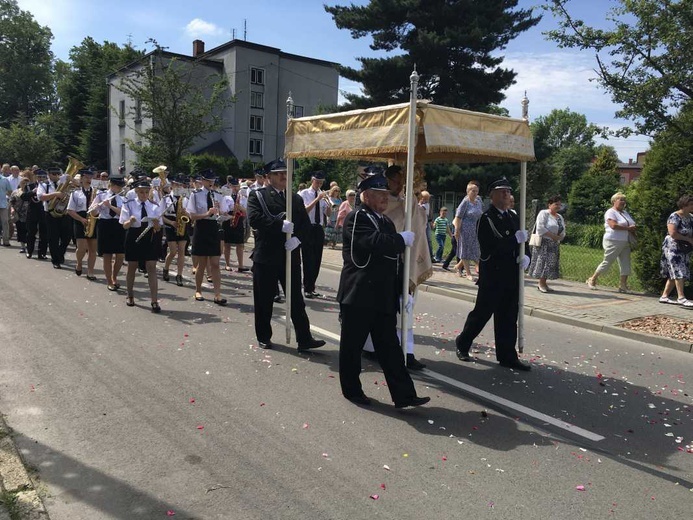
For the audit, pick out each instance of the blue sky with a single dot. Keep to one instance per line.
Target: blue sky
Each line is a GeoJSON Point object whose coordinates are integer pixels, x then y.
{"type": "Point", "coordinates": [552, 77]}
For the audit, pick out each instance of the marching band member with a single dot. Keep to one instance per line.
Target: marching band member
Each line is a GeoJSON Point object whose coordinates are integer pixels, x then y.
{"type": "Point", "coordinates": [59, 229]}
{"type": "Point", "coordinates": [319, 210]}
{"type": "Point", "coordinates": [204, 208]}
{"type": "Point", "coordinates": [80, 201]}
{"type": "Point", "coordinates": [110, 236]}
{"type": "Point", "coordinates": [35, 219]}
{"type": "Point", "coordinates": [140, 217]}
{"type": "Point", "coordinates": [234, 229]}
{"type": "Point", "coordinates": [176, 241]}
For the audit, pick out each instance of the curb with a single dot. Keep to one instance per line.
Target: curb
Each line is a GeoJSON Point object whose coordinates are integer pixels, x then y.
{"type": "Point", "coordinates": [660, 341]}
{"type": "Point", "coordinates": [15, 480]}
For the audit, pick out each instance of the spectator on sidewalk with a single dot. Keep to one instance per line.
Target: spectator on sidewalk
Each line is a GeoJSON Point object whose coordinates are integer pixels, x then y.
{"type": "Point", "coordinates": [441, 225]}
{"type": "Point", "coordinates": [546, 257]}
{"type": "Point", "coordinates": [425, 203]}
{"type": "Point", "coordinates": [332, 235]}
{"type": "Point", "coordinates": [676, 252]}
{"type": "Point", "coordinates": [619, 233]}
{"type": "Point", "coordinates": [466, 217]}
{"type": "Point", "coordinates": [345, 208]}
{"type": "Point", "coordinates": [5, 193]}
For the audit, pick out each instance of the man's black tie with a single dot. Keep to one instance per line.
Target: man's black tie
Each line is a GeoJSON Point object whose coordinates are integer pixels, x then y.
{"type": "Point", "coordinates": [282, 196]}
{"type": "Point", "coordinates": [317, 218]}
{"type": "Point", "coordinates": [210, 201]}
{"type": "Point", "coordinates": [144, 211]}
{"type": "Point", "coordinates": [114, 204]}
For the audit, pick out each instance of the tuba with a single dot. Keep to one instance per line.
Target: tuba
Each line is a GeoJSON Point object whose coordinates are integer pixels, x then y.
{"type": "Point", "coordinates": [181, 218]}
{"type": "Point", "coordinates": [58, 207]}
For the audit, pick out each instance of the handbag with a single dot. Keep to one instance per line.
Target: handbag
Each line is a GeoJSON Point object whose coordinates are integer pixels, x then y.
{"type": "Point", "coordinates": [632, 241]}
{"type": "Point", "coordinates": [684, 247]}
{"type": "Point", "coordinates": [535, 238]}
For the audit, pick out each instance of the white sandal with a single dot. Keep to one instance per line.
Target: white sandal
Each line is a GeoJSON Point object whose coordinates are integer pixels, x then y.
{"type": "Point", "coordinates": [666, 299]}
{"type": "Point", "coordinates": [684, 302]}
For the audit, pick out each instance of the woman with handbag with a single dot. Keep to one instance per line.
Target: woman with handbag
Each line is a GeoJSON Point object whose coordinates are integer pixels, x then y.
{"type": "Point", "coordinates": [545, 242]}
{"type": "Point", "coordinates": [466, 217]}
{"type": "Point", "coordinates": [676, 252]}
{"type": "Point", "coordinates": [619, 238]}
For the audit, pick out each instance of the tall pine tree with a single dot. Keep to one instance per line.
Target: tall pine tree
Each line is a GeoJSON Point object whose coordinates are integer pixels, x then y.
{"type": "Point", "coordinates": [454, 44]}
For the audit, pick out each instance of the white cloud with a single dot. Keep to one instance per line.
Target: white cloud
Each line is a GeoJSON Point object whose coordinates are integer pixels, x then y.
{"type": "Point", "coordinates": [198, 28]}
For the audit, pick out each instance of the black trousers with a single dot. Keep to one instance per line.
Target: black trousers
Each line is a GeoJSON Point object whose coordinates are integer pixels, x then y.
{"type": "Point", "coordinates": [34, 226]}
{"type": "Point", "coordinates": [21, 231]}
{"type": "Point", "coordinates": [59, 236]}
{"type": "Point", "coordinates": [501, 303]}
{"type": "Point", "coordinates": [452, 253]}
{"type": "Point", "coordinates": [265, 278]}
{"type": "Point", "coordinates": [357, 323]}
{"type": "Point", "coordinates": [312, 256]}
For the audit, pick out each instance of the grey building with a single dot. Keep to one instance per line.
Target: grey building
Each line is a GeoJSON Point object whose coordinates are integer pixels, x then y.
{"type": "Point", "coordinates": [259, 77]}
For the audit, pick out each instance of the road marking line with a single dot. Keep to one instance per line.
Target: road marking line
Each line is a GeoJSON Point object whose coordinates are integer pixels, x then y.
{"type": "Point", "coordinates": [576, 430]}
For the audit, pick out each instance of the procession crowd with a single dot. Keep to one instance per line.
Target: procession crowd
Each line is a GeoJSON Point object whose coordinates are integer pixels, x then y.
{"type": "Point", "coordinates": [134, 221]}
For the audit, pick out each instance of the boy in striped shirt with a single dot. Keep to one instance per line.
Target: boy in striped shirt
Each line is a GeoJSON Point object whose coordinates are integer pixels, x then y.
{"type": "Point", "coordinates": [441, 225]}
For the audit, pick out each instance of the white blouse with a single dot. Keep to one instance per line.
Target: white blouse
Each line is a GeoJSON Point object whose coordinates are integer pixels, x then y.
{"type": "Point", "coordinates": [622, 218]}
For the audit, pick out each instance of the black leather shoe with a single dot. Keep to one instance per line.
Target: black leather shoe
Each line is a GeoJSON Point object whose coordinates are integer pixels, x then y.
{"type": "Point", "coordinates": [362, 399]}
{"type": "Point", "coordinates": [278, 299]}
{"type": "Point", "coordinates": [413, 363]}
{"type": "Point", "coordinates": [41, 257]}
{"type": "Point", "coordinates": [179, 280]}
{"type": "Point", "coordinates": [517, 364]}
{"type": "Point", "coordinates": [267, 345]}
{"type": "Point", "coordinates": [155, 308]}
{"type": "Point", "coordinates": [28, 255]}
{"type": "Point", "coordinates": [165, 275]}
{"type": "Point", "coordinates": [462, 353]}
{"type": "Point", "coordinates": [56, 266]}
{"type": "Point", "coordinates": [313, 343]}
{"type": "Point", "coordinates": [414, 401]}
{"type": "Point", "coordinates": [312, 295]}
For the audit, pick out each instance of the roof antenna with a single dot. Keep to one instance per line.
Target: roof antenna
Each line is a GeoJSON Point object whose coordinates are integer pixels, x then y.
{"type": "Point", "coordinates": [245, 29]}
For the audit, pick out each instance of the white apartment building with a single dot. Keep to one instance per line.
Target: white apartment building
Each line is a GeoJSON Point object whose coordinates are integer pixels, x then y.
{"type": "Point", "coordinates": [259, 77]}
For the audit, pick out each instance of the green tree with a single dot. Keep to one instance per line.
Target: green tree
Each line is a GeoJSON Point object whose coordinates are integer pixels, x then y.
{"type": "Point", "coordinates": [591, 194]}
{"type": "Point", "coordinates": [247, 169]}
{"type": "Point", "coordinates": [25, 63]}
{"type": "Point", "coordinates": [644, 59]}
{"type": "Point", "coordinates": [183, 99]}
{"type": "Point", "coordinates": [456, 46]}
{"type": "Point", "coordinates": [26, 144]}
{"type": "Point", "coordinates": [344, 172]}
{"type": "Point", "coordinates": [666, 176]}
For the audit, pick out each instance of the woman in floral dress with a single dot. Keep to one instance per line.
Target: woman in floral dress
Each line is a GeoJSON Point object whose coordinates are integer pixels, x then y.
{"type": "Point", "coordinates": [676, 255]}
{"type": "Point", "coordinates": [466, 217]}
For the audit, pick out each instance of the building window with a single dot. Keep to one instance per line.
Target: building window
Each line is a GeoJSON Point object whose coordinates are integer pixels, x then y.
{"type": "Point", "coordinates": [122, 154]}
{"type": "Point", "coordinates": [121, 113]}
{"type": "Point", "coordinates": [298, 111]}
{"type": "Point", "coordinates": [257, 100]}
{"type": "Point", "coordinates": [256, 123]}
{"type": "Point", "coordinates": [138, 111]}
{"type": "Point", "coordinates": [255, 147]}
{"type": "Point", "coordinates": [257, 76]}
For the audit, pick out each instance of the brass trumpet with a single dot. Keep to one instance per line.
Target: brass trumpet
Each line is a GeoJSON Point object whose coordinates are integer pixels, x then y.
{"type": "Point", "coordinates": [58, 207]}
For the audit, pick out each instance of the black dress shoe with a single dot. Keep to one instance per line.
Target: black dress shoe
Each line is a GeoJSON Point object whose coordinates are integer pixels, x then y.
{"type": "Point", "coordinates": [313, 343]}
{"type": "Point", "coordinates": [165, 275]}
{"type": "Point", "coordinates": [360, 399]}
{"type": "Point", "coordinates": [56, 266]}
{"type": "Point", "coordinates": [517, 364]}
{"type": "Point", "coordinates": [220, 301]}
{"type": "Point", "coordinates": [156, 309]}
{"type": "Point", "coordinates": [278, 299]}
{"type": "Point", "coordinates": [78, 272]}
{"type": "Point", "coordinates": [41, 257]}
{"type": "Point", "coordinates": [243, 269]}
{"type": "Point", "coordinates": [179, 280]}
{"type": "Point", "coordinates": [28, 255]}
{"type": "Point", "coordinates": [462, 353]}
{"type": "Point", "coordinates": [413, 363]}
{"type": "Point", "coordinates": [414, 401]}
{"type": "Point", "coordinates": [267, 345]}
{"type": "Point", "coordinates": [312, 295]}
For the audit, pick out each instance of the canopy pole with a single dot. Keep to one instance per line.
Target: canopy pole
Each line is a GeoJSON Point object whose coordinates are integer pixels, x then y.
{"type": "Point", "coordinates": [289, 207]}
{"type": "Point", "coordinates": [523, 225]}
{"type": "Point", "coordinates": [409, 194]}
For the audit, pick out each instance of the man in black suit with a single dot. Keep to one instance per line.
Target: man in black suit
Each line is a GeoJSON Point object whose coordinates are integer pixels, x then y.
{"type": "Point", "coordinates": [370, 287]}
{"type": "Point", "coordinates": [266, 214]}
{"type": "Point", "coordinates": [499, 237]}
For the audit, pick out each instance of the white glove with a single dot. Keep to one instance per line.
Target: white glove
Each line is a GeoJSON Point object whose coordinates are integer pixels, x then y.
{"type": "Point", "coordinates": [525, 262]}
{"type": "Point", "coordinates": [292, 243]}
{"type": "Point", "coordinates": [409, 305]}
{"type": "Point", "coordinates": [521, 235]}
{"type": "Point", "coordinates": [287, 227]}
{"type": "Point", "coordinates": [408, 237]}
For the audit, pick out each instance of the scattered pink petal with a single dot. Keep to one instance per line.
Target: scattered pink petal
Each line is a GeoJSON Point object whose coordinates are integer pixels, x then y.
{"type": "Point", "coordinates": [382, 486]}
{"type": "Point", "coordinates": [200, 427]}
{"type": "Point", "coordinates": [325, 455]}
{"type": "Point", "coordinates": [305, 426]}
{"type": "Point", "coordinates": [386, 467]}
{"type": "Point", "coordinates": [192, 400]}
{"type": "Point", "coordinates": [375, 497]}
{"type": "Point", "coordinates": [444, 458]}
{"type": "Point", "coordinates": [170, 513]}
{"type": "Point", "coordinates": [262, 404]}
{"type": "Point", "coordinates": [580, 488]}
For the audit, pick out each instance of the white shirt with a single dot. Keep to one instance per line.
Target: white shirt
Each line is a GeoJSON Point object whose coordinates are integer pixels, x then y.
{"type": "Point", "coordinates": [133, 208]}
{"type": "Point", "coordinates": [105, 212]}
{"type": "Point", "coordinates": [45, 188]}
{"type": "Point", "coordinates": [14, 181]}
{"type": "Point", "coordinates": [169, 206]}
{"type": "Point", "coordinates": [546, 222]}
{"type": "Point", "coordinates": [197, 203]}
{"type": "Point", "coordinates": [79, 201]}
{"type": "Point", "coordinates": [308, 195]}
{"type": "Point", "coordinates": [240, 198]}
{"type": "Point", "coordinates": [622, 219]}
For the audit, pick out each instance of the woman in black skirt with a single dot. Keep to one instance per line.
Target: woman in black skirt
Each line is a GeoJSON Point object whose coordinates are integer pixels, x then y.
{"type": "Point", "coordinates": [77, 207]}
{"type": "Point", "coordinates": [234, 229]}
{"type": "Point", "coordinates": [176, 242]}
{"type": "Point", "coordinates": [110, 235]}
{"type": "Point", "coordinates": [141, 219]}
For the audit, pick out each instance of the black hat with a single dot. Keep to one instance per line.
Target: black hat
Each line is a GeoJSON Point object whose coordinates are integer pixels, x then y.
{"type": "Point", "coordinates": [54, 170]}
{"type": "Point", "coordinates": [86, 171]}
{"type": "Point", "coordinates": [393, 170]}
{"type": "Point", "coordinates": [233, 181]}
{"type": "Point", "coordinates": [500, 184]}
{"type": "Point", "coordinates": [143, 182]}
{"type": "Point", "coordinates": [376, 182]}
{"type": "Point", "coordinates": [260, 172]}
{"type": "Point", "coordinates": [40, 173]}
{"type": "Point", "coordinates": [372, 169]}
{"type": "Point", "coordinates": [207, 175]}
{"type": "Point", "coordinates": [117, 179]}
{"type": "Point", "coordinates": [319, 175]}
{"type": "Point", "coordinates": [275, 166]}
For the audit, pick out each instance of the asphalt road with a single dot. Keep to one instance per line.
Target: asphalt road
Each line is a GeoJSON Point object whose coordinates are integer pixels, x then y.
{"type": "Point", "coordinates": [123, 414]}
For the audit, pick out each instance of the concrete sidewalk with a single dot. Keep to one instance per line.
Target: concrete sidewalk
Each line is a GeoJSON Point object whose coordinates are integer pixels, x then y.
{"type": "Point", "coordinates": [571, 303]}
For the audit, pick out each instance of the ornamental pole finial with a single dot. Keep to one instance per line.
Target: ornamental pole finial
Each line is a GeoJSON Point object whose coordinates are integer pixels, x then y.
{"type": "Point", "coordinates": [525, 107]}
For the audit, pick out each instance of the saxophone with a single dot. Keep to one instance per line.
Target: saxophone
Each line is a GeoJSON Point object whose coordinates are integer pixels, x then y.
{"type": "Point", "coordinates": [90, 226]}
{"type": "Point", "coordinates": [58, 207]}
{"type": "Point", "coordinates": [181, 218]}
